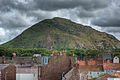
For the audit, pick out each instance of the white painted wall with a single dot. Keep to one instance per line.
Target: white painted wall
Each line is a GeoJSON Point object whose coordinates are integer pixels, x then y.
{"type": "Point", "coordinates": [26, 76]}
{"type": "Point", "coordinates": [113, 79]}
{"type": "Point", "coordinates": [115, 59]}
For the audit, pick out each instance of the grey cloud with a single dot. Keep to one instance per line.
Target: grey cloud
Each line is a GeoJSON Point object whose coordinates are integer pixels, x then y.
{"type": "Point", "coordinates": [38, 15]}
{"type": "Point", "coordinates": [117, 35]}
{"type": "Point", "coordinates": [110, 17]}
{"type": "Point", "coordinates": [64, 4]}
{"type": "Point", "coordinates": [107, 21]}
{"type": "Point", "coordinates": [9, 34]}
{"type": "Point", "coordinates": [55, 5]}
{"type": "Point", "coordinates": [7, 5]}
{"type": "Point", "coordinates": [48, 5]}
{"type": "Point", "coordinates": [82, 13]}
{"type": "Point", "coordinates": [16, 19]}
{"type": "Point", "coordinates": [111, 29]}
{"type": "Point", "coordinates": [9, 22]}
{"type": "Point", "coordinates": [51, 5]}
{"type": "Point", "coordinates": [12, 24]}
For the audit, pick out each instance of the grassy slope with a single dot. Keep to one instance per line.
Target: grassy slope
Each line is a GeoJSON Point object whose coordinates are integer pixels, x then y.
{"type": "Point", "coordinates": [61, 33]}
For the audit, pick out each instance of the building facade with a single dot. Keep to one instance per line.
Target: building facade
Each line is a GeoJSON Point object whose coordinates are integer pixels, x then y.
{"type": "Point", "coordinates": [116, 59]}
{"type": "Point", "coordinates": [8, 72]}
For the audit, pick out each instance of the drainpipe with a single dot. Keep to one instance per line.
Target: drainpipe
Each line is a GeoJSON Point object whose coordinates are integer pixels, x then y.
{"type": "Point", "coordinates": [5, 76]}
{"type": "Point", "coordinates": [39, 71]}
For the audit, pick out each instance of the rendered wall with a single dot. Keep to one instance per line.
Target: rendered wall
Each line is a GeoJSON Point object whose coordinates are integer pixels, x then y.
{"type": "Point", "coordinates": [55, 68]}
{"type": "Point", "coordinates": [8, 73]}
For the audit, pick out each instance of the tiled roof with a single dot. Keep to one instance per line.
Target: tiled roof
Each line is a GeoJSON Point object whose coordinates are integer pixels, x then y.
{"type": "Point", "coordinates": [104, 77]}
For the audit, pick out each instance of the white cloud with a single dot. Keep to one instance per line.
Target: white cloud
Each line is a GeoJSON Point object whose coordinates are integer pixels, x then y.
{"type": "Point", "coordinates": [2, 32]}
{"type": "Point", "coordinates": [117, 34]}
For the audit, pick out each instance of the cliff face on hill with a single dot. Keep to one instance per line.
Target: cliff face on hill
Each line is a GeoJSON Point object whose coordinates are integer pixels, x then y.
{"type": "Point", "coordinates": [61, 33]}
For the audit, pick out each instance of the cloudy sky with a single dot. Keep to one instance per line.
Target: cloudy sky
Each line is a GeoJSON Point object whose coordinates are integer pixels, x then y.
{"type": "Point", "coordinates": [18, 15]}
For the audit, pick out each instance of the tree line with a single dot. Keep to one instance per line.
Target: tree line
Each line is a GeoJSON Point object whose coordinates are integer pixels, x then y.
{"type": "Point", "coordinates": [89, 53]}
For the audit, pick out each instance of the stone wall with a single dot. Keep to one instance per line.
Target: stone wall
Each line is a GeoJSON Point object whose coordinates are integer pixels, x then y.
{"type": "Point", "coordinates": [91, 67]}
{"type": "Point", "coordinates": [90, 62]}
{"type": "Point", "coordinates": [57, 65]}
{"type": "Point", "coordinates": [17, 60]}
{"type": "Point", "coordinates": [23, 60]}
{"type": "Point", "coordinates": [81, 62]}
{"type": "Point", "coordinates": [8, 73]}
{"type": "Point", "coordinates": [111, 66]}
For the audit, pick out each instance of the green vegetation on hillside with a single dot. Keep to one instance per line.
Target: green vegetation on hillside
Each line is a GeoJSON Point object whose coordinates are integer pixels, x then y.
{"type": "Point", "coordinates": [83, 53]}
{"type": "Point", "coordinates": [60, 33]}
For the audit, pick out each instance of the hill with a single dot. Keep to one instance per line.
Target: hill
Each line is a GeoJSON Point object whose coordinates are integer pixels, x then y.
{"type": "Point", "coordinates": [59, 33]}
